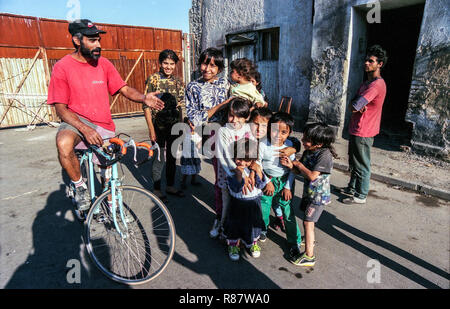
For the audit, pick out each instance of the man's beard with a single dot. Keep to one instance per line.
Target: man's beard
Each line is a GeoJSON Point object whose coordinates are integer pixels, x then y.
{"type": "Point", "coordinates": [90, 53]}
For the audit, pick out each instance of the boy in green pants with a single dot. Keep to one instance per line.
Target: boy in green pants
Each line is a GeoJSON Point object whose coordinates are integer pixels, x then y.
{"type": "Point", "coordinates": [279, 188]}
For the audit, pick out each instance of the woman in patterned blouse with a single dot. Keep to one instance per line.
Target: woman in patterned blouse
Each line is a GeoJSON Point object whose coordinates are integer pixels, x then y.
{"type": "Point", "coordinates": [206, 96]}
{"type": "Point", "coordinates": [206, 99]}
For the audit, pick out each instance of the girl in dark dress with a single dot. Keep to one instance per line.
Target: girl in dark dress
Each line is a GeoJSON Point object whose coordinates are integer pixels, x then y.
{"type": "Point", "coordinates": [244, 223]}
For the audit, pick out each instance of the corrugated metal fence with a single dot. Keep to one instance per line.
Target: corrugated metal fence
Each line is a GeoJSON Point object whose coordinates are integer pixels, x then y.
{"type": "Point", "coordinates": [30, 46]}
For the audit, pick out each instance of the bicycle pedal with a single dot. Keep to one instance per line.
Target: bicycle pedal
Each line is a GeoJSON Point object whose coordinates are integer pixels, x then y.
{"type": "Point", "coordinates": [81, 215]}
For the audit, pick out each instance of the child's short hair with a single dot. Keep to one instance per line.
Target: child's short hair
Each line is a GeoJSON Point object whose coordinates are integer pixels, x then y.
{"type": "Point", "coordinates": [167, 54]}
{"type": "Point", "coordinates": [240, 107]}
{"type": "Point", "coordinates": [245, 149]}
{"type": "Point", "coordinates": [282, 117]}
{"type": "Point", "coordinates": [244, 67]}
{"type": "Point", "coordinates": [262, 112]}
{"type": "Point", "coordinates": [257, 77]}
{"type": "Point", "coordinates": [208, 54]}
{"type": "Point", "coordinates": [320, 133]}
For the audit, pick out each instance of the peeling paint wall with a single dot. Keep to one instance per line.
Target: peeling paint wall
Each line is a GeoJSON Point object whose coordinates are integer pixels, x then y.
{"type": "Point", "coordinates": [429, 108]}
{"type": "Point", "coordinates": [332, 88]}
{"type": "Point", "coordinates": [196, 27]}
{"type": "Point", "coordinates": [330, 59]}
{"type": "Point", "coordinates": [320, 48]}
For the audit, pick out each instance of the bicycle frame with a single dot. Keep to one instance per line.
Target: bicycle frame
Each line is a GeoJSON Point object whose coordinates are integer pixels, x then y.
{"type": "Point", "coordinates": [113, 183]}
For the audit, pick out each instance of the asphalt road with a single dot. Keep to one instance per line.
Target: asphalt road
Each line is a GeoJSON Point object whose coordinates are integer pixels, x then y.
{"type": "Point", "coordinates": [399, 239]}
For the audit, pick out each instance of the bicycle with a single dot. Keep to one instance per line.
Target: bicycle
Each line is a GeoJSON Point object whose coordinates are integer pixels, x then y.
{"type": "Point", "coordinates": [129, 232]}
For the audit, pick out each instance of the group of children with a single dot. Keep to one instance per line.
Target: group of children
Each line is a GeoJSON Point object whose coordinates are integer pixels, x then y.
{"type": "Point", "coordinates": [256, 171]}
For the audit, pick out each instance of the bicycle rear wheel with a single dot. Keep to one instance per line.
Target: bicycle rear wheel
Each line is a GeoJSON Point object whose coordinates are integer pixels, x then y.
{"type": "Point", "coordinates": [143, 247]}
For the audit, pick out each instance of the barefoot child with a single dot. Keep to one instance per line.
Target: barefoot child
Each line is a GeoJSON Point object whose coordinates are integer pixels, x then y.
{"type": "Point", "coordinates": [315, 165]}
{"type": "Point", "coordinates": [244, 222]}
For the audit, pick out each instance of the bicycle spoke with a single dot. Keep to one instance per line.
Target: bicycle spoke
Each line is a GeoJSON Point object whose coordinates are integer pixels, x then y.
{"type": "Point", "coordinates": [145, 244]}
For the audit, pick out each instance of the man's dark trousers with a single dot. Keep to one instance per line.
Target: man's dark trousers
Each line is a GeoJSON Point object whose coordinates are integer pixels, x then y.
{"type": "Point", "coordinates": [359, 163]}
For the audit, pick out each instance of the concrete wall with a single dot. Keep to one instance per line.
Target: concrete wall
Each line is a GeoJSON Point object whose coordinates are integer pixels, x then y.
{"type": "Point", "coordinates": [294, 17]}
{"type": "Point", "coordinates": [334, 74]}
{"type": "Point", "coordinates": [429, 108]}
{"type": "Point", "coordinates": [330, 55]}
{"type": "Point", "coordinates": [320, 54]}
{"type": "Point", "coordinates": [196, 28]}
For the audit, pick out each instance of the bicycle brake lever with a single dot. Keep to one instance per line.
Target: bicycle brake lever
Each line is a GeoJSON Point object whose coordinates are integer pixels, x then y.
{"type": "Point", "coordinates": [132, 143]}
{"type": "Point", "coordinates": [156, 146]}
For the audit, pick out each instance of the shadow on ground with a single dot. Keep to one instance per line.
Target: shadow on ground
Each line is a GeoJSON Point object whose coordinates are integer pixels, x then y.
{"type": "Point", "coordinates": [192, 222]}
{"type": "Point", "coordinates": [59, 256]}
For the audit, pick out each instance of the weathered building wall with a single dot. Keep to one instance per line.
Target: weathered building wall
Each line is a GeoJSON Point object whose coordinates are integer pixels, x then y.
{"type": "Point", "coordinates": [294, 18]}
{"type": "Point", "coordinates": [195, 28]}
{"type": "Point", "coordinates": [333, 80]}
{"type": "Point", "coordinates": [329, 54]}
{"type": "Point", "coordinates": [322, 50]}
{"type": "Point", "coordinates": [429, 108]}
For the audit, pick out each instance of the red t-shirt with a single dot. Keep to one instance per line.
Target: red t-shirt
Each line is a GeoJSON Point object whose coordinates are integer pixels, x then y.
{"type": "Point", "coordinates": [367, 124]}
{"type": "Point", "coordinates": [85, 88]}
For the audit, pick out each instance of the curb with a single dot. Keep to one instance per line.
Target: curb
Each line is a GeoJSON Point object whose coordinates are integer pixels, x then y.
{"type": "Point", "coordinates": [420, 188]}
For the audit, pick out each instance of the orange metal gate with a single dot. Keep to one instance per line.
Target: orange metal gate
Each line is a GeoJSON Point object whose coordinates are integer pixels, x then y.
{"type": "Point", "coordinates": [30, 46]}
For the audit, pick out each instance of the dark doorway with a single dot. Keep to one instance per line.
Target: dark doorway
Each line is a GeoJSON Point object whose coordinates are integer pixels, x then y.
{"type": "Point", "coordinates": [398, 34]}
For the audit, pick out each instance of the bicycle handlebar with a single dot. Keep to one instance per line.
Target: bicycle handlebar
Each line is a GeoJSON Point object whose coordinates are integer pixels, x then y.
{"type": "Point", "coordinates": [121, 147]}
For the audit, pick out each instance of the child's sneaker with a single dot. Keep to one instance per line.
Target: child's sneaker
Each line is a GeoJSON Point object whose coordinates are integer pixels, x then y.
{"type": "Point", "coordinates": [304, 260]}
{"type": "Point", "coordinates": [255, 250]}
{"type": "Point", "coordinates": [233, 252]}
{"type": "Point", "coordinates": [354, 200]}
{"type": "Point", "coordinates": [215, 229]}
{"type": "Point", "coordinates": [82, 197]}
{"type": "Point", "coordinates": [262, 237]}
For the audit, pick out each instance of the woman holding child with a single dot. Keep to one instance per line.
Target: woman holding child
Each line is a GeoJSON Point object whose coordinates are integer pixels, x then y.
{"type": "Point", "coordinates": [205, 98]}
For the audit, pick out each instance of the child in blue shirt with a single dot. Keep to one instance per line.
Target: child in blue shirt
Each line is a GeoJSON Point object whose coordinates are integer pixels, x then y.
{"type": "Point", "coordinates": [243, 223]}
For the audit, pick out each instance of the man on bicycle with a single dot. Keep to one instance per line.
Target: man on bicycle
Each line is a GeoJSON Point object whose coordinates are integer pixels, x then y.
{"type": "Point", "coordinates": [79, 88]}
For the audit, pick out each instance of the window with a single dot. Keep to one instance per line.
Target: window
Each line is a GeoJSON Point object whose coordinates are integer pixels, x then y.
{"type": "Point", "coordinates": [265, 41]}
{"type": "Point", "coordinates": [269, 44]}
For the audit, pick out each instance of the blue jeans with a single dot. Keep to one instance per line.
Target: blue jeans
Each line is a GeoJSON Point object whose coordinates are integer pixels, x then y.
{"type": "Point", "coordinates": [359, 163]}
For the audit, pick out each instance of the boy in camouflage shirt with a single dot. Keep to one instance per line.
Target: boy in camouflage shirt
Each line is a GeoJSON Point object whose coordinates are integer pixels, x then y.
{"type": "Point", "coordinates": [160, 122]}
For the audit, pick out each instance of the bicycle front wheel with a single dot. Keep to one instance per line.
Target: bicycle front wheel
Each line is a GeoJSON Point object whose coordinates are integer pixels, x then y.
{"type": "Point", "coordinates": [139, 245]}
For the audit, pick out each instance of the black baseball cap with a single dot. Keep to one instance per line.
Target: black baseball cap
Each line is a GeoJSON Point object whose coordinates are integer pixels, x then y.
{"type": "Point", "coordinates": [83, 26]}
